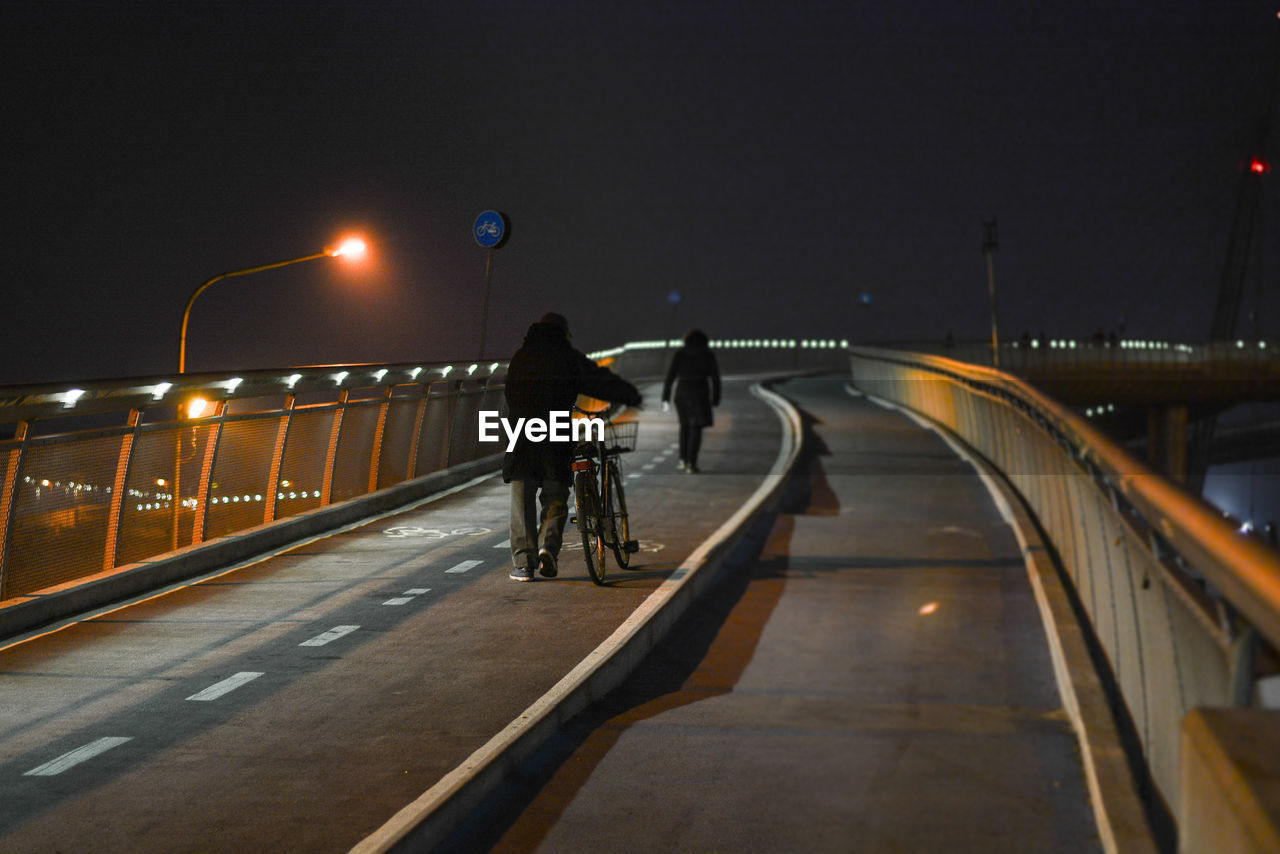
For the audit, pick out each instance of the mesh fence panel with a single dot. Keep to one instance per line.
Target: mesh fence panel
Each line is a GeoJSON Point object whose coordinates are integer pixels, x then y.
{"type": "Point", "coordinates": [355, 451]}
{"type": "Point", "coordinates": [302, 469]}
{"type": "Point", "coordinates": [464, 443]}
{"type": "Point", "coordinates": [61, 505]}
{"type": "Point", "coordinates": [433, 445]}
{"type": "Point", "coordinates": [397, 441]}
{"type": "Point", "coordinates": [241, 473]}
{"type": "Point", "coordinates": [151, 522]}
{"type": "Point", "coordinates": [61, 513]}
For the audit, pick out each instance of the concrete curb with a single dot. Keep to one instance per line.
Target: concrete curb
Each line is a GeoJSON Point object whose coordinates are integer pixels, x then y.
{"type": "Point", "coordinates": [74, 598]}
{"type": "Point", "coordinates": [1117, 806]}
{"type": "Point", "coordinates": [424, 823]}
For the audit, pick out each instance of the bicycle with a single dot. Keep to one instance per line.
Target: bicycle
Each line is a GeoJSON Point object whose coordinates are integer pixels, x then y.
{"type": "Point", "coordinates": [600, 501]}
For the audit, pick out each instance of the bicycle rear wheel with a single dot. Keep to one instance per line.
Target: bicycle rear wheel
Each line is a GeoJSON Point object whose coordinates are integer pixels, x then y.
{"type": "Point", "coordinates": [618, 526]}
{"type": "Point", "coordinates": [589, 524]}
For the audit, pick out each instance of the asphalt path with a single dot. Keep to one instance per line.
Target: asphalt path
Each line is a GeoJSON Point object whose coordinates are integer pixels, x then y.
{"type": "Point", "coordinates": [875, 678]}
{"type": "Point", "coordinates": [297, 701]}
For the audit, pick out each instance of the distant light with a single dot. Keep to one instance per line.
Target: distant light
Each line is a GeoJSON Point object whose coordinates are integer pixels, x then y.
{"type": "Point", "coordinates": [292, 380]}
{"type": "Point", "coordinates": [352, 247]}
{"type": "Point", "coordinates": [929, 609]}
{"type": "Point", "coordinates": [339, 377]}
{"type": "Point", "coordinates": [1258, 166]}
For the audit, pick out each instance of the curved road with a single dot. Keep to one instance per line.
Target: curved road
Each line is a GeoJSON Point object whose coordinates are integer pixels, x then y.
{"type": "Point", "coordinates": [875, 679]}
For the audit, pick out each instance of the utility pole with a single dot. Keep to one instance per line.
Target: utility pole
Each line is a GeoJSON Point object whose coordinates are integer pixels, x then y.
{"type": "Point", "coordinates": [990, 241]}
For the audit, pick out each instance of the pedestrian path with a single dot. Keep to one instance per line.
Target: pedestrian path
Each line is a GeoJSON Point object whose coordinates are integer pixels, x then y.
{"type": "Point", "coordinates": [876, 679]}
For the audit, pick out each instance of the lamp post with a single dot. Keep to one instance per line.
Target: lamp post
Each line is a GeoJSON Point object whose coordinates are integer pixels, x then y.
{"type": "Point", "coordinates": [352, 248]}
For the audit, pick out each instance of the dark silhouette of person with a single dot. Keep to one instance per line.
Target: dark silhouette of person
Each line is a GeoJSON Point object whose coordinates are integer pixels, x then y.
{"type": "Point", "coordinates": [696, 376]}
{"type": "Point", "coordinates": [546, 375]}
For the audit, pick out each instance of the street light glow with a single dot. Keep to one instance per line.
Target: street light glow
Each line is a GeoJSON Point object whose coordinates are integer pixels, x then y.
{"type": "Point", "coordinates": [352, 247]}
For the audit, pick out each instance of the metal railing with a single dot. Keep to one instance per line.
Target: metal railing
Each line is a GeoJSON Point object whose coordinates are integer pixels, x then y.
{"type": "Point", "coordinates": [1180, 601]}
{"type": "Point", "coordinates": [108, 474]}
{"type": "Point", "coordinates": [1032, 357]}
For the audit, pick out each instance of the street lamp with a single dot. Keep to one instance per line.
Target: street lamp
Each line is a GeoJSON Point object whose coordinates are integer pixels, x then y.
{"type": "Point", "coordinates": [352, 247]}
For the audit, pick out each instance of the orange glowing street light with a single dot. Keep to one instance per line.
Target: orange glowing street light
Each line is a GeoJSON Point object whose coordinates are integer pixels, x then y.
{"type": "Point", "coordinates": [351, 247]}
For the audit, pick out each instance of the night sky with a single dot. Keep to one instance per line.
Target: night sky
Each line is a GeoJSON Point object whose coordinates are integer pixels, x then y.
{"type": "Point", "coordinates": [771, 162]}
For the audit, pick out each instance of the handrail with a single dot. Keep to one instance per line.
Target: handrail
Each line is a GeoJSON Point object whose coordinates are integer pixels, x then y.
{"type": "Point", "coordinates": [1244, 569]}
{"type": "Point", "coordinates": [144, 475]}
{"type": "Point", "coordinates": [29, 402]}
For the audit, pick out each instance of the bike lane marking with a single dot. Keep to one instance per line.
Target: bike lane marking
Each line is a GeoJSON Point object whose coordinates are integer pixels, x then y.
{"type": "Point", "coordinates": [328, 637]}
{"type": "Point", "coordinates": [73, 758]}
{"type": "Point", "coordinates": [226, 686]}
{"type": "Point", "coordinates": [465, 565]}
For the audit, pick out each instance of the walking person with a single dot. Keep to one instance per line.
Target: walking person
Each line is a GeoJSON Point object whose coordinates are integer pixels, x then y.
{"type": "Point", "coordinates": [546, 375]}
{"type": "Point", "coordinates": [696, 376]}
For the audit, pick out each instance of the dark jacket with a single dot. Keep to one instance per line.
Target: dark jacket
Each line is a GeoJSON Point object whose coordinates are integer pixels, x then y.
{"type": "Point", "coordinates": [696, 376]}
{"type": "Point", "coordinates": [547, 374]}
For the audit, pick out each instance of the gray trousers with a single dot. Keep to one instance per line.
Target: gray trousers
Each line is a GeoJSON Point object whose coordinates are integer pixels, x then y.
{"type": "Point", "coordinates": [531, 530]}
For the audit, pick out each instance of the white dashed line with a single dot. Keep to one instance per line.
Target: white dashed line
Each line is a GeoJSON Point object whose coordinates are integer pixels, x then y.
{"type": "Point", "coordinates": [465, 565]}
{"type": "Point", "coordinates": [408, 596]}
{"type": "Point", "coordinates": [226, 686]}
{"type": "Point", "coordinates": [648, 466]}
{"type": "Point", "coordinates": [332, 635]}
{"type": "Point", "coordinates": [75, 757]}
{"type": "Point", "coordinates": [505, 544]}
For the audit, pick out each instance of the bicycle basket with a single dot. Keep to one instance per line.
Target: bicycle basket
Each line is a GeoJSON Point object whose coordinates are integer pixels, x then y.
{"type": "Point", "coordinates": [620, 438]}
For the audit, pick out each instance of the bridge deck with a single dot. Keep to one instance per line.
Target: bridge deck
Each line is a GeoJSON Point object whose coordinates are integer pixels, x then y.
{"type": "Point", "coordinates": [809, 704]}
{"type": "Point", "coordinates": [877, 679]}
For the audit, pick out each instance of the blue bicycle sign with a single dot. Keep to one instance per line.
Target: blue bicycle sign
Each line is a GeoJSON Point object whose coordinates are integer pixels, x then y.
{"type": "Point", "coordinates": [490, 228]}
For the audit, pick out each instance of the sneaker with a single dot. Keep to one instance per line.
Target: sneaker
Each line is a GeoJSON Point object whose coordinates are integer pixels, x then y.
{"type": "Point", "coordinates": [547, 564]}
{"type": "Point", "coordinates": [692, 469]}
{"type": "Point", "coordinates": [522, 573]}
{"type": "Point", "coordinates": [681, 466]}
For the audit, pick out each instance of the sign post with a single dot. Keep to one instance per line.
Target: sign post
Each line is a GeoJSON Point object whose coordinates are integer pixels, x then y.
{"type": "Point", "coordinates": [990, 242]}
{"type": "Point", "coordinates": [490, 231]}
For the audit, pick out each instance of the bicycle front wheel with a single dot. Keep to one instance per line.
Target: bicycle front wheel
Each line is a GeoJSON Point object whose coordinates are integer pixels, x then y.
{"type": "Point", "coordinates": [617, 513]}
{"type": "Point", "coordinates": [589, 524]}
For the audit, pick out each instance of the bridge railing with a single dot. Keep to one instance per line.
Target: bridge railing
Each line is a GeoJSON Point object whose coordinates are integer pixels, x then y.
{"type": "Point", "coordinates": [101, 476]}
{"type": "Point", "coordinates": [1180, 601]}
{"type": "Point", "coordinates": [1019, 356]}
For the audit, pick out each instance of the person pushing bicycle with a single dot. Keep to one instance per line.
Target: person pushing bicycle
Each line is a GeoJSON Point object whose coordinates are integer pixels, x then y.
{"type": "Point", "coordinates": [546, 375]}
